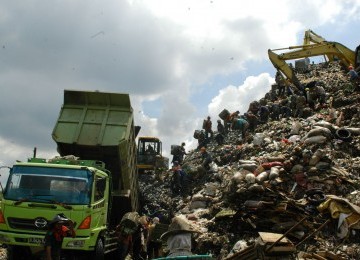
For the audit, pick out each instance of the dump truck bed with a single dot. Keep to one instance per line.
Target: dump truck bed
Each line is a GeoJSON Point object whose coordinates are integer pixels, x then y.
{"type": "Point", "coordinates": [100, 126]}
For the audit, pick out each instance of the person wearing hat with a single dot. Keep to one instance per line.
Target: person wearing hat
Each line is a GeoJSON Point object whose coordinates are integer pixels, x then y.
{"type": "Point", "coordinates": [58, 228]}
{"type": "Point", "coordinates": [179, 237]}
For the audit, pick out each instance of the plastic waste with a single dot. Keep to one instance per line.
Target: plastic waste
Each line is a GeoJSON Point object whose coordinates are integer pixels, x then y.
{"type": "Point", "coordinates": [295, 128]}
{"type": "Point", "coordinates": [249, 167]}
{"type": "Point", "coordinates": [256, 188]}
{"type": "Point", "coordinates": [262, 177]}
{"type": "Point", "coordinates": [316, 157]}
{"type": "Point", "coordinates": [297, 168]}
{"type": "Point", "coordinates": [250, 178]}
{"type": "Point", "coordinates": [319, 139]}
{"type": "Point", "coordinates": [268, 165]}
{"type": "Point", "coordinates": [258, 139]}
{"type": "Point", "coordinates": [319, 130]}
{"type": "Point", "coordinates": [294, 138]}
{"type": "Point", "coordinates": [274, 173]}
{"type": "Point", "coordinates": [325, 124]}
{"type": "Point", "coordinates": [353, 130]}
{"type": "Point", "coordinates": [258, 170]}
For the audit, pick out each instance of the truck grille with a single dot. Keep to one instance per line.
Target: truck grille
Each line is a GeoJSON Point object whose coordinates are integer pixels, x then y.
{"type": "Point", "coordinates": [24, 223]}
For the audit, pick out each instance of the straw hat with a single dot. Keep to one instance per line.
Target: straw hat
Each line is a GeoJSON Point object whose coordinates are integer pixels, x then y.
{"type": "Point", "coordinates": [178, 225]}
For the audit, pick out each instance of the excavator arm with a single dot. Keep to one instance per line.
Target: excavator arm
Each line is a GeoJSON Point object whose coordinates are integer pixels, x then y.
{"type": "Point", "coordinates": [312, 37]}
{"type": "Point", "coordinates": [331, 50]}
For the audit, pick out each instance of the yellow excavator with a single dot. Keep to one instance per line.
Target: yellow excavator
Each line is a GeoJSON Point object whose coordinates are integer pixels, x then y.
{"type": "Point", "coordinates": [313, 45]}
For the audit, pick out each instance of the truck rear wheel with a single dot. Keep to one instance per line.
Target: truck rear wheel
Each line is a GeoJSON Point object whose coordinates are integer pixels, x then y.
{"type": "Point", "coordinates": [99, 250]}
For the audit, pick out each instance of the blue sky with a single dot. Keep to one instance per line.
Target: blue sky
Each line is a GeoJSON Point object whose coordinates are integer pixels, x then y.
{"type": "Point", "coordinates": [179, 60]}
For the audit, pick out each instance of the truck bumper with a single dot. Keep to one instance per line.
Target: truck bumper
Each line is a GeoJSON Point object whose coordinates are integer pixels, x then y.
{"type": "Point", "coordinates": [31, 240]}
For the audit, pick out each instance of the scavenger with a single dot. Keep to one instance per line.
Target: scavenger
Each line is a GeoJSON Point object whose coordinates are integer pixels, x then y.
{"type": "Point", "coordinates": [58, 228]}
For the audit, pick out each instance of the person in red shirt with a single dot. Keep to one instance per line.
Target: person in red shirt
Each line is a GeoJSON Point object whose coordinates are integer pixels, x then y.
{"type": "Point", "coordinates": [58, 228]}
{"type": "Point", "coordinates": [208, 128]}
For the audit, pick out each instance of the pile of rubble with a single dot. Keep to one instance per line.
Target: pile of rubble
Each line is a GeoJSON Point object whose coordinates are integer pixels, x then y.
{"type": "Point", "coordinates": [293, 182]}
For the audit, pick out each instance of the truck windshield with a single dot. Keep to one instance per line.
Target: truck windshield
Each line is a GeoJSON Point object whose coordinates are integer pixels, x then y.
{"type": "Point", "coordinates": [45, 184]}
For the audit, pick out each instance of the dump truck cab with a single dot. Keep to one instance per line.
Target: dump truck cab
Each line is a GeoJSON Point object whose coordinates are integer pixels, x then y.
{"type": "Point", "coordinates": [38, 189]}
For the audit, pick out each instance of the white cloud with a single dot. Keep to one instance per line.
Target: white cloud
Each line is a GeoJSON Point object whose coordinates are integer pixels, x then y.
{"type": "Point", "coordinates": [238, 98]}
{"type": "Point", "coordinates": [153, 49]}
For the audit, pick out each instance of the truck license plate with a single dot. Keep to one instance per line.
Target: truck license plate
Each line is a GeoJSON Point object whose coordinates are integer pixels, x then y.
{"type": "Point", "coordinates": [35, 240]}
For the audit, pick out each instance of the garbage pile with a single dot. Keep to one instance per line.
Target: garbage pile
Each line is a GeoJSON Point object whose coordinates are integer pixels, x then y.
{"type": "Point", "coordinates": [293, 179]}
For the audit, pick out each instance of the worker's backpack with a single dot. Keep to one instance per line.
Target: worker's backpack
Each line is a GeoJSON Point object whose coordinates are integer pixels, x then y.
{"type": "Point", "coordinates": [224, 114]}
{"type": "Point", "coordinates": [197, 134]}
{"type": "Point", "coordinates": [175, 149]}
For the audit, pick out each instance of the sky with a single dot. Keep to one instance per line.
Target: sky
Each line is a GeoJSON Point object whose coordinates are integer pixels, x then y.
{"type": "Point", "coordinates": [179, 60]}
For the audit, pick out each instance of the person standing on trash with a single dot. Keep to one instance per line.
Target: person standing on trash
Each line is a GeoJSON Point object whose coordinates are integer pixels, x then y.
{"type": "Point", "coordinates": [252, 120]}
{"type": "Point", "coordinates": [58, 228]}
{"type": "Point", "coordinates": [280, 82]}
{"type": "Point", "coordinates": [206, 158]}
{"type": "Point", "coordinates": [179, 237]}
{"type": "Point", "coordinates": [125, 245]}
{"type": "Point", "coordinates": [300, 105]}
{"type": "Point", "coordinates": [154, 243]}
{"type": "Point", "coordinates": [241, 125]}
{"type": "Point", "coordinates": [179, 154]}
{"type": "Point", "coordinates": [207, 126]}
{"type": "Point", "coordinates": [182, 153]}
{"type": "Point", "coordinates": [234, 115]}
{"type": "Point", "coordinates": [139, 239]}
{"type": "Point", "coordinates": [227, 123]}
{"type": "Point", "coordinates": [179, 180]}
{"type": "Point", "coordinates": [353, 74]}
{"type": "Point", "coordinates": [202, 141]}
{"type": "Point", "coordinates": [220, 127]}
{"type": "Point", "coordinates": [285, 111]}
{"type": "Point", "coordinates": [264, 113]}
{"type": "Point", "coordinates": [275, 111]}
{"type": "Point", "coordinates": [320, 95]}
{"type": "Point", "coordinates": [220, 136]}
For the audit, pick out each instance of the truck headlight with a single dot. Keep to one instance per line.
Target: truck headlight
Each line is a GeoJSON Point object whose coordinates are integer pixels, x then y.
{"type": "Point", "coordinates": [76, 243]}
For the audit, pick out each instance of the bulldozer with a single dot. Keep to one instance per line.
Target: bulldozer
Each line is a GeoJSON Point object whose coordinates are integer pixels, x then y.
{"type": "Point", "coordinates": [149, 154]}
{"type": "Point", "coordinates": [313, 45]}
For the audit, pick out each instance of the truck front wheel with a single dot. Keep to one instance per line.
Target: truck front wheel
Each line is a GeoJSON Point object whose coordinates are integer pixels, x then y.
{"type": "Point", "coordinates": [18, 253]}
{"type": "Point", "coordinates": [99, 250]}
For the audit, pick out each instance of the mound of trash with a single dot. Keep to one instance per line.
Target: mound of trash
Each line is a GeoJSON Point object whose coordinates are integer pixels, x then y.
{"type": "Point", "coordinates": [290, 189]}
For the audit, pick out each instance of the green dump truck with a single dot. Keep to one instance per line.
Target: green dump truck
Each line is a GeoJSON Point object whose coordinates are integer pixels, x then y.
{"type": "Point", "coordinates": [93, 181]}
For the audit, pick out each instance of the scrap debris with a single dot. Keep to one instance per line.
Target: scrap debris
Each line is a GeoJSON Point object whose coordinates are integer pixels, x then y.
{"type": "Point", "coordinates": [290, 189]}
